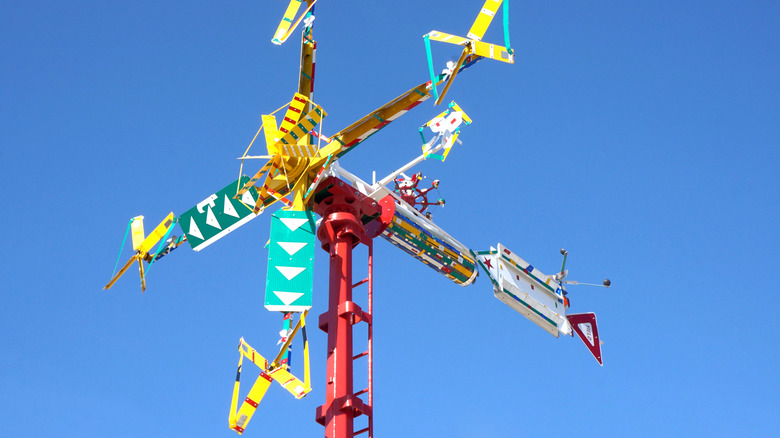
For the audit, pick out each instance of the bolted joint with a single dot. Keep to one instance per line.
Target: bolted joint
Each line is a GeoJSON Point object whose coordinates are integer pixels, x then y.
{"type": "Point", "coordinates": [340, 226]}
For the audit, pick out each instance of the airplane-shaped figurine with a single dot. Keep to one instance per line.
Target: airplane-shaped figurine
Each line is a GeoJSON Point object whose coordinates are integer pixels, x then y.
{"type": "Point", "coordinates": [540, 298]}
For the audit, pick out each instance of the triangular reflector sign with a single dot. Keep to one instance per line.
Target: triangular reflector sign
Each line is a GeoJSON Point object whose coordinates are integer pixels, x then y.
{"type": "Point", "coordinates": [229, 209]}
{"type": "Point", "coordinates": [211, 219]}
{"type": "Point", "coordinates": [288, 297]}
{"type": "Point", "coordinates": [194, 230]}
{"type": "Point", "coordinates": [292, 247]}
{"type": "Point", "coordinates": [290, 272]}
{"type": "Point", "coordinates": [293, 223]}
{"type": "Point", "coordinates": [584, 324]}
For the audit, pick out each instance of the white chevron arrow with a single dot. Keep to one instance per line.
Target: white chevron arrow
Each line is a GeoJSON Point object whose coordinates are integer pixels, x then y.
{"type": "Point", "coordinates": [194, 230]}
{"type": "Point", "coordinates": [292, 247]}
{"type": "Point", "coordinates": [290, 272]}
{"type": "Point", "coordinates": [293, 223]}
{"type": "Point", "coordinates": [288, 297]}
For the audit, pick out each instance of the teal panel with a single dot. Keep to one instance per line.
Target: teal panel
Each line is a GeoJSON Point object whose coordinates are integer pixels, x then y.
{"type": "Point", "coordinates": [218, 215]}
{"type": "Point", "coordinates": [290, 274]}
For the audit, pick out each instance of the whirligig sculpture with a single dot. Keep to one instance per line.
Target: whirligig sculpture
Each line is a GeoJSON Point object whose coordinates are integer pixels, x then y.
{"type": "Point", "coordinates": [301, 171]}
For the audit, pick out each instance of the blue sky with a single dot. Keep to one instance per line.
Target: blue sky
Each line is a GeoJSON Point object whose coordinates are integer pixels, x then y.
{"type": "Point", "coordinates": [642, 137]}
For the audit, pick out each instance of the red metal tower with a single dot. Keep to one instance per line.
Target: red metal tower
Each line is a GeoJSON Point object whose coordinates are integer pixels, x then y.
{"type": "Point", "coordinates": [349, 219]}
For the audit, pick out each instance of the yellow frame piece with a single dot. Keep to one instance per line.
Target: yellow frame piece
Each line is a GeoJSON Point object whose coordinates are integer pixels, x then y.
{"type": "Point", "coordinates": [472, 44]}
{"type": "Point", "coordinates": [137, 231]}
{"type": "Point", "coordinates": [142, 249]}
{"type": "Point", "coordinates": [239, 416]}
{"type": "Point", "coordinates": [483, 20]}
{"type": "Point", "coordinates": [286, 26]}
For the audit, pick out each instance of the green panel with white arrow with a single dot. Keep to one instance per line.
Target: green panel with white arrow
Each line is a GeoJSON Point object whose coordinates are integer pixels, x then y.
{"type": "Point", "coordinates": [218, 214]}
{"type": "Point", "coordinates": [290, 275]}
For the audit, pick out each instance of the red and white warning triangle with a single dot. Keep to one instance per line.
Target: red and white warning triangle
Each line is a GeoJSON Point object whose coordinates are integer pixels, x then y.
{"type": "Point", "coordinates": [584, 324]}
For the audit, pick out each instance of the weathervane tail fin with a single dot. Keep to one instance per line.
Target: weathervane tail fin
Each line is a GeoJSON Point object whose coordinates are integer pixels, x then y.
{"type": "Point", "coordinates": [584, 324]}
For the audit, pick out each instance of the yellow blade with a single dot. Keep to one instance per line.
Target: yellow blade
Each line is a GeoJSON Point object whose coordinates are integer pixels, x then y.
{"type": "Point", "coordinates": [286, 26]}
{"type": "Point", "coordinates": [293, 114]}
{"type": "Point", "coordinates": [250, 353]}
{"type": "Point", "coordinates": [137, 230]}
{"type": "Point", "coordinates": [291, 383]}
{"type": "Point", "coordinates": [236, 385]}
{"type": "Point", "coordinates": [271, 134]}
{"type": "Point", "coordinates": [241, 418]}
{"type": "Point", "coordinates": [300, 131]}
{"type": "Point", "coordinates": [442, 37]}
{"type": "Point", "coordinates": [156, 235]}
{"type": "Point", "coordinates": [283, 31]}
{"type": "Point", "coordinates": [493, 51]}
{"type": "Point", "coordinates": [483, 20]}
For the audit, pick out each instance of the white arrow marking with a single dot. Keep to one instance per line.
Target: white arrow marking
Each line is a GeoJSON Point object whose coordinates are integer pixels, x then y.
{"type": "Point", "coordinates": [194, 230]}
{"type": "Point", "coordinates": [212, 220]}
{"type": "Point", "coordinates": [293, 223]}
{"type": "Point", "coordinates": [288, 297]}
{"type": "Point", "coordinates": [208, 201]}
{"type": "Point", "coordinates": [247, 198]}
{"type": "Point", "coordinates": [290, 272]}
{"type": "Point", "coordinates": [292, 247]}
{"type": "Point", "coordinates": [229, 208]}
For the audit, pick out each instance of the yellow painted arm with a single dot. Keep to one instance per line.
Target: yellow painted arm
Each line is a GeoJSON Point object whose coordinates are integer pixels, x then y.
{"type": "Point", "coordinates": [306, 75]}
{"type": "Point", "coordinates": [121, 272]}
{"type": "Point", "coordinates": [240, 419]}
{"type": "Point", "coordinates": [493, 51]}
{"type": "Point", "coordinates": [271, 133]}
{"type": "Point", "coordinates": [239, 416]}
{"type": "Point", "coordinates": [346, 139]}
{"type": "Point", "coordinates": [293, 113]}
{"type": "Point", "coordinates": [250, 353]}
{"type": "Point", "coordinates": [286, 26]}
{"type": "Point", "coordinates": [435, 35]}
{"type": "Point", "coordinates": [300, 130]}
{"type": "Point", "coordinates": [484, 19]}
{"type": "Point", "coordinates": [291, 383]}
{"type": "Point", "coordinates": [137, 230]}
{"type": "Point", "coordinates": [156, 234]}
